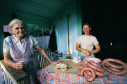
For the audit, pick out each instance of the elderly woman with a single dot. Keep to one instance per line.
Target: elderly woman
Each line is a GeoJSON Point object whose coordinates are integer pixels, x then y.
{"type": "Point", "coordinates": [87, 42]}
{"type": "Point", "coordinates": [18, 51]}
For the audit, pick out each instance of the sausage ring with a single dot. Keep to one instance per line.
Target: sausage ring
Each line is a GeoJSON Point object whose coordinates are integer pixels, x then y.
{"type": "Point", "coordinates": [116, 73]}
{"type": "Point", "coordinates": [112, 65]}
{"type": "Point", "coordinates": [87, 72]}
{"type": "Point", "coordinates": [115, 70]}
{"type": "Point", "coordinates": [101, 74]}
{"type": "Point", "coordinates": [88, 78]}
{"type": "Point", "coordinates": [118, 70]}
{"type": "Point", "coordinates": [80, 67]}
{"type": "Point", "coordinates": [88, 64]}
{"type": "Point", "coordinates": [115, 66]}
{"type": "Point", "coordinates": [94, 63]}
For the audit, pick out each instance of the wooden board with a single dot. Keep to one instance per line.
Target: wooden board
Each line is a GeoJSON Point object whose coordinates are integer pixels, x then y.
{"type": "Point", "coordinates": [71, 66]}
{"type": "Point", "coordinates": [18, 75]}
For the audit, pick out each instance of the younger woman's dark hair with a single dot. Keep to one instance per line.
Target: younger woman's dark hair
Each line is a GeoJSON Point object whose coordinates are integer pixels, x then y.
{"type": "Point", "coordinates": [87, 24]}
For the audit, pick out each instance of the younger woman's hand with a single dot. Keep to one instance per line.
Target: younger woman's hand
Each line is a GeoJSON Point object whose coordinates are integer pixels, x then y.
{"type": "Point", "coordinates": [88, 53]}
{"type": "Point", "coordinates": [84, 51]}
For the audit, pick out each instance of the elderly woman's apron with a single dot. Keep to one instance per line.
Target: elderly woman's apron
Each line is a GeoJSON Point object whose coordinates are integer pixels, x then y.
{"type": "Point", "coordinates": [31, 64]}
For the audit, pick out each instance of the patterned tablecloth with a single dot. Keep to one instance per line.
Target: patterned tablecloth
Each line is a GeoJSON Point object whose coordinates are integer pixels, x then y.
{"type": "Point", "coordinates": [49, 75]}
{"type": "Point", "coordinates": [52, 77]}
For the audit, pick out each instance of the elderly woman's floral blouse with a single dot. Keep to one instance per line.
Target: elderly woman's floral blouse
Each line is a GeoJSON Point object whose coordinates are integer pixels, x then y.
{"type": "Point", "coordinates": [7, 45]}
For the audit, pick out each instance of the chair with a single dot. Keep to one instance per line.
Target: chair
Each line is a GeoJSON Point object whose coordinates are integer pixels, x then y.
{"type": "Point", "coordinates": [13, 76]}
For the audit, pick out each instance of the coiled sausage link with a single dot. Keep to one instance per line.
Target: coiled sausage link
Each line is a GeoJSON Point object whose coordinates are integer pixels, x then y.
{"type": "Point", "coordinates": [101, 74]}
{"type": "Point", "coordinates": [88, 73]}
{"type": "Point", "coordinates": [106, 66]}
{"type": "Point", "coordinates": [80, 67]}
{"type": "Point", "coordinates": [114, 69]}
{"type": "Point", "coordinates": [94, 67]}
{"type": "Point", "coordinates": [94, 63]}
{"type": "Point", "coordinates": [112, 65]}
{"type": "Point", "coordinates": [115, 66]}
{"type": "Point", "coordinates": [116, 73]}
{"type": "Point", "coordinates": [86, 76]}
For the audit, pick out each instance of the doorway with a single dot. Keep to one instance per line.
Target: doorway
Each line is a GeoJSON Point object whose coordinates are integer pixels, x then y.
{"type": "Point", "coordinates": [108, 19]}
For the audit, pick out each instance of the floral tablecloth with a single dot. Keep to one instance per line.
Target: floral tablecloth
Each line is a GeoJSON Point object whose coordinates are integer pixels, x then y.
{"type": "Point", "coordinates": [52, 77]}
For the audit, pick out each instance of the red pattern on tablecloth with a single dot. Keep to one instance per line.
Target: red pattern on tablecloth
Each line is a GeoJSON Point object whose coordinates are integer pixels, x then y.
{"type": "Point", "coordinates": [51, 77]}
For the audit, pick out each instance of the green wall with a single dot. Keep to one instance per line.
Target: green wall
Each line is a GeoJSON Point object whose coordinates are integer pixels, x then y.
{"type": "Point", "coordinates": [4, 19]}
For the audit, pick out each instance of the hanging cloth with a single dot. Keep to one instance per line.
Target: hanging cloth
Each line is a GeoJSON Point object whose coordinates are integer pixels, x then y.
{"type": "Point", "coordinates": [52, 41]}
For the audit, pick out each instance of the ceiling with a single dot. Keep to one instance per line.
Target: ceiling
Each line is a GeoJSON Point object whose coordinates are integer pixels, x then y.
{"type": "Point", "coordinates": [39, 10]}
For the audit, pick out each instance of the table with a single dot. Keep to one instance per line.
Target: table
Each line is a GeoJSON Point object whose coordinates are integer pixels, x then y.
{"type": "Point", "coordinates": [50, 75]}
{"type": "Point", "coordinates": [71, 66]}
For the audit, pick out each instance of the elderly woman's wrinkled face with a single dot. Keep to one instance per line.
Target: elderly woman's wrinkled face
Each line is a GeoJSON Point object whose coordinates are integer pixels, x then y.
{"type": "Point", "coordinates": [86, 29]}
{"type": "Point", "coordinates": [18, 29]}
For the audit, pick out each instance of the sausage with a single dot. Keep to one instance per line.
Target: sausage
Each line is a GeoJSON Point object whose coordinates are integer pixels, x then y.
{"type": "Point", "coordinates": [94, 67]}
{"type": "Point", "coordinates": [101, 74]}
{"type": "Point", "coordinates": [88, 73]}
{"type": "Point", "coordinates": [116, 73]}
{"type": "Point", "coordinates": [112, 65]}
{"type": "Point", "coordinates": [115, 70]}
{"type": "Point", "coordinates": [86, 76]}
{"type": "Point", "coordinates": [106, 66]}
{"type": "Point", "coordinates": [94, 63]}
{"type": "Point", "coordinates": [80, 67]}
{"type": "Point", "coordinates": [82, 71]}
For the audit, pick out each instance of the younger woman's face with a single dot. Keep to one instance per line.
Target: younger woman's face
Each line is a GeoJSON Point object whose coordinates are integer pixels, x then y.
{"type": "Point", "coordinates": [86, 29]}
{"type": "Point", "coordinates": [18, 29]}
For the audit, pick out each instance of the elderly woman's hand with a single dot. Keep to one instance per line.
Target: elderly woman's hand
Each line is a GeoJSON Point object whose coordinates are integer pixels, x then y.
{"type": "Point", "coordinates": [19, 65]}
{"type": "Point", "coordinates": [55, 62]}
